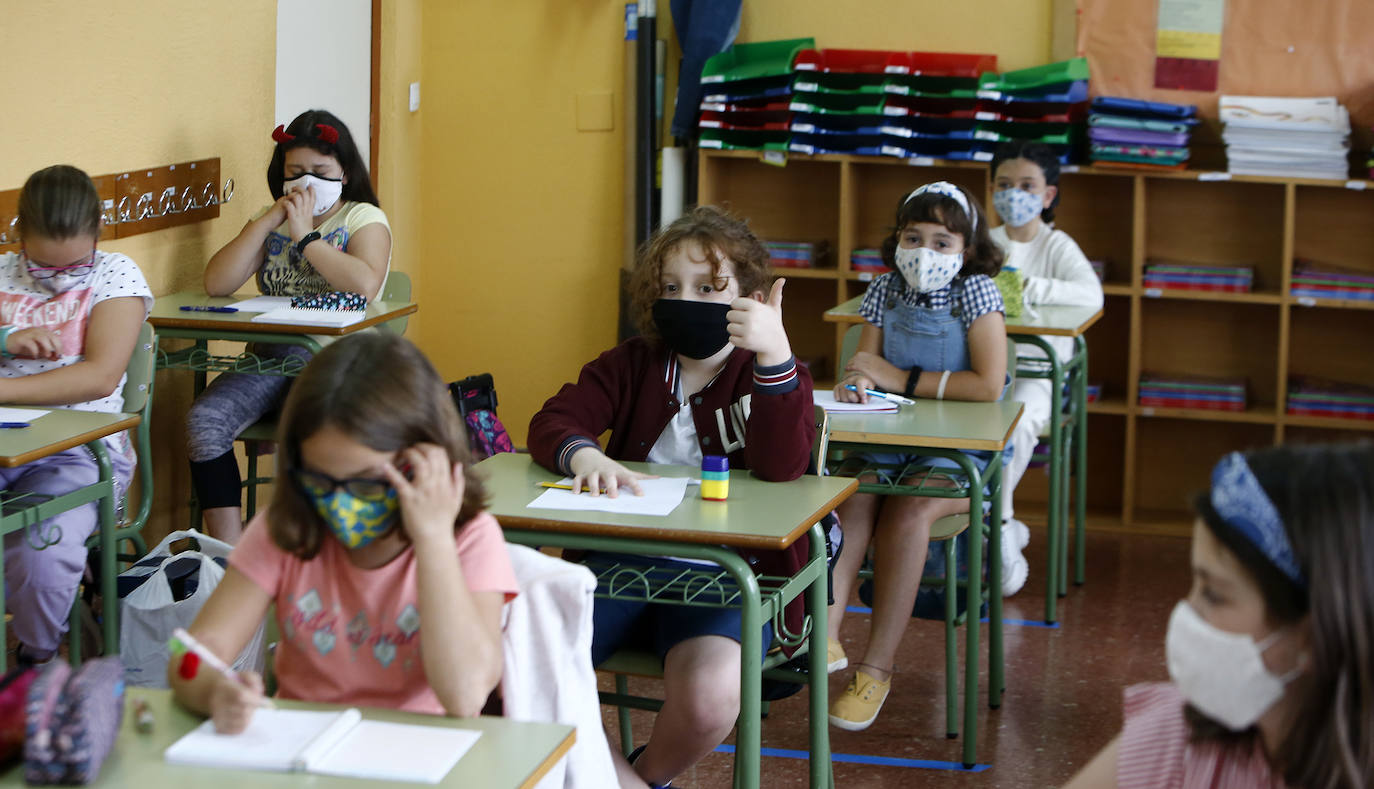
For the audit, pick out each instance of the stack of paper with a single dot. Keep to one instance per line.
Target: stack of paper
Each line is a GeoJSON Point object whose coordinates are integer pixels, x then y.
{"type": "Point", "coordinates": [875, 405]}
{"type": "Point", "coordinates": [1176, 391]}
{"type": "Point", "coordinates": [1286, 137]}
{"type": "Point", "coordinates": [1224, 279]}
{"type": "Point", "coordinates": [1319, 397]}
{"type": "Point", "coordinates": [1326, 282]}
{"type": "Point", "coordinates": [1144, 134]}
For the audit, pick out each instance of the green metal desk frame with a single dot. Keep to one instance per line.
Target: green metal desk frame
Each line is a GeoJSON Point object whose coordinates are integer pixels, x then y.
{"type": "Point", "coordinates": [970, 487]}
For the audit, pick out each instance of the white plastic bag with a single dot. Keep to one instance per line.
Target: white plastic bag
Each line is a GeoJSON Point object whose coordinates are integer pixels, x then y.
{"type": "Point", "coordinates": [148, 615]}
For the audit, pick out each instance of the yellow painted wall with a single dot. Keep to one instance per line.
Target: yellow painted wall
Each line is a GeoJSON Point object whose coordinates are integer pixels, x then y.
{"type": "Point", "coordinates": [400, 159]}
{"type": "Point", "coordinates": [112, 86]}
{"type": "Point", "coordinates": [522, 213]}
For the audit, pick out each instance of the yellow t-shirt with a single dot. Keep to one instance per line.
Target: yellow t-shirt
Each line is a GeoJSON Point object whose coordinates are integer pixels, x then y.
{"type": "Point", "coordinates": [284, 273]}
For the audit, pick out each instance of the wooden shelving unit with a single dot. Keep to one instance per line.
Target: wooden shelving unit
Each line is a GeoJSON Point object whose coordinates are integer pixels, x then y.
{"type": "Point", "coordinates": [1146, 463]}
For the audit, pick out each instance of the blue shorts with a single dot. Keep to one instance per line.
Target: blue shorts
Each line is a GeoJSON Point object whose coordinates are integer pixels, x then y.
{"type": "Point", "coordinates": [657, 626]}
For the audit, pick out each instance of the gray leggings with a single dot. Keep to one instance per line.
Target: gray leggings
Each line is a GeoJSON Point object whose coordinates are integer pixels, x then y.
{"type": "Point", "coordinates": [231, 403]}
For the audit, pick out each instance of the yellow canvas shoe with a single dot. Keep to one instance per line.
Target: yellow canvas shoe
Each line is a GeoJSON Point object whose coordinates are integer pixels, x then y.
{"type": "Point", "coordinates": [834, 656]}
{"type": "Point", "coordinates": [857, 707]}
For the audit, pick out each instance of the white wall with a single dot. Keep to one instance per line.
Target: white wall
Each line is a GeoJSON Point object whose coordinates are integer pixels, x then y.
{"type": "Point", "coordinates": [324, 61]}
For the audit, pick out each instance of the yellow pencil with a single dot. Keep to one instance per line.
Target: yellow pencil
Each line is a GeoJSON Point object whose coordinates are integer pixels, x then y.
{"type": "Point", "coordinates": [561, 486]}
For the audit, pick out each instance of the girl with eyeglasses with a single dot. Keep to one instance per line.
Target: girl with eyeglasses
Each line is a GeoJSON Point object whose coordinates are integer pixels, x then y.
{"type": "Point", "coordinates": [387, 575]}
{"type": "Point", "coordinates": [71, 316]}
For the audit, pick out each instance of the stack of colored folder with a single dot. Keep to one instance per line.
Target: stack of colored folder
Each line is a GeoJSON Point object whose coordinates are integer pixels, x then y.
{"type": "Point", "coordinates": [1318, 397]}
{"type": "Point", "coordinates": [796, 254]}
{"type": "Point", "coordinates": [745, 95]}
{"type": "Point", "coordinates": [1286, 137]}
{"type": "Point", "coordinates": [1143, 134]}
{"type": "Point", "coordinates": [1216, 394]}
{"type": "Point", "coordinates": [1100, 269]}
{"type": "Point", "coordinates": [1224, 279]}
{"type": "Point", "coordinates": [870, 260]}
{"type": "Point", "coordinates": [1326, 282]}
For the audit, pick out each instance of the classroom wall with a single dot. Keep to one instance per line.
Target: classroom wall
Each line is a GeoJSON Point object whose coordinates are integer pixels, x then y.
{"type": "Point", "coordinates": [400, 143]}
{"type": "Point", "coordinates": [111, 86]}
{"type": "Point", "coordinates": [521, 239]}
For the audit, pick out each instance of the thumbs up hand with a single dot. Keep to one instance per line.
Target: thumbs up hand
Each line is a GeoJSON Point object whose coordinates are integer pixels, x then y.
{"type": "Point", "coordinates": [756, 325]}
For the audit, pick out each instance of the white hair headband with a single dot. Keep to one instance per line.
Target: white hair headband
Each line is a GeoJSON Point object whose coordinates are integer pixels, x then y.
{"type": "Point", "coordinates": [951, 191]}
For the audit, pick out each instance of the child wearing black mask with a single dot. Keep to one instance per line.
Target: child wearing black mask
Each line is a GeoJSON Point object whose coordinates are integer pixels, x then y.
{"type": "Point", "coordinates": [712, 374]}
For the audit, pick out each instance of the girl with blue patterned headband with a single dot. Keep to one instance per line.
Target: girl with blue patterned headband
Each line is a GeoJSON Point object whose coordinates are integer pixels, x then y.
{"type": "Point", "coordinates": [1272, 652]}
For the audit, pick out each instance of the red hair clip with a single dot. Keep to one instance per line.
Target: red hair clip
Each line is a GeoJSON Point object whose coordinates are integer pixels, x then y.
{"type": "Point", "coordinates": [280, 135]}
{"type": "Point", "coordinates": [328, 133]}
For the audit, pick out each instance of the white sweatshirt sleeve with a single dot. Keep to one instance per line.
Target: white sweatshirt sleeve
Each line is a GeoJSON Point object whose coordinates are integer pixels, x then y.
{"type": "Point", "coordinates": [1062, 276]}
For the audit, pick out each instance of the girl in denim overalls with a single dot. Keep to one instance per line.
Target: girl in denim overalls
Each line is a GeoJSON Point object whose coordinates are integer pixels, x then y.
{"type": "Point", "coordinates": [935, 329]}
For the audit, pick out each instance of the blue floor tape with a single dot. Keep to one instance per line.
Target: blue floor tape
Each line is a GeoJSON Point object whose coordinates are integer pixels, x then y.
{"type": "Point", "coordinates": [855, 758]}
{"type": "Point", "coordinates": [858, 609]}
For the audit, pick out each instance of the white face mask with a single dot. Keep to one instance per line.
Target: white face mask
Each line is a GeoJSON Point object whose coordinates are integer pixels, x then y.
{"type": "Point", "coordinates": [1221, 674]}
{"type": "Point", "coordinates": [925, 269]}
{"type": "Point", "coordinates": [327, 191]}
{"type": "Point", "coordinates": [1017, 207]}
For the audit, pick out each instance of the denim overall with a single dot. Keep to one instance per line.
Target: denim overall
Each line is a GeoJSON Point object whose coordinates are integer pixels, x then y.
{"type": "Point", "coordinates": [934, 340]}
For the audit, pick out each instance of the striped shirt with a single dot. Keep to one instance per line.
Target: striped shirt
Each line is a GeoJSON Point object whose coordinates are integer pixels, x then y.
{"type": "Point", "coordinates": [1154, 752]}
{"type": "Point", "coordinates": [978, 296]}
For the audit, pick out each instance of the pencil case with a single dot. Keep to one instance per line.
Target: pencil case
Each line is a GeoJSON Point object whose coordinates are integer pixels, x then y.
{"type": "Point", "coordinates": [334, 300]}
{"type": "Point", "coordinates": [92, 709]}
{"type": "Point", "coordinates": [14, 691]}
{"type": "Point", "coordinates": [42, 714]}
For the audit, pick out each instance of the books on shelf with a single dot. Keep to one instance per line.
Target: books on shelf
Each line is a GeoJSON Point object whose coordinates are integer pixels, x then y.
{"type": "Point", "coordinates": [868, 260]}
{"type": "Point", "coordinates": [1311, 396]}
{"type": "Point", "coordinates": [797, 254]}
{"type": "Point", "coordinates": [1146, 134]}
{"type": "Point", "coordinates": [1286, 137]}
{"type": "Point", "coordinates": [1318, 281]}
{"type": "Point", "coordinates": [1186, 391]}
{"type": "Point", "coordinates": [1177, 276]}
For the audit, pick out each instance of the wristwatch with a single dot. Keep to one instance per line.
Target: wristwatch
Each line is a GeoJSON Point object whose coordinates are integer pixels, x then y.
{"type": "Point", "coordinates": [313, 235]}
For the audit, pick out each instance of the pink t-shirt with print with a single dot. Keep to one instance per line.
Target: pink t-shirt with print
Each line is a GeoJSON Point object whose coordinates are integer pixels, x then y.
{"type": "Point", "coordinates": [352, 636]}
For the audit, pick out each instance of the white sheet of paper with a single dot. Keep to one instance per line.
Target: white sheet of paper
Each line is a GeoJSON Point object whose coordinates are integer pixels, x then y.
{"type": "Point", "coordinates": [272, 741]}
{"type": "Point", "coordinates": [262, 303]}
{"type": "Point", "coordinates": [21, 414]}
{"type": "Point", "coordinates": [661, 496]}
{"type": "Point", "coordinates": [381, 751]}
{"type": "Point", "coordinates": [826, 399]}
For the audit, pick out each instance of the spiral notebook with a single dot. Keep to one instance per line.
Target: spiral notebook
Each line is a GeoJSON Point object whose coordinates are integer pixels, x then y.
{"type": "Point", "coordinates": [311, 317]}
{"type": "Point", "coordinates": [328, 743]}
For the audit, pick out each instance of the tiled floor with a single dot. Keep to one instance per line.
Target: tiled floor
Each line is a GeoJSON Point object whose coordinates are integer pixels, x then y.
{"type": "Point", "coordinates": [1063, 698]}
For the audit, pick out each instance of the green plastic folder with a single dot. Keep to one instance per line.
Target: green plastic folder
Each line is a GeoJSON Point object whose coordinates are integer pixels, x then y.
{"type": "Point", "coordinates": [750, 61]}
{"type": "Point", "coordinates": [1072, 70]}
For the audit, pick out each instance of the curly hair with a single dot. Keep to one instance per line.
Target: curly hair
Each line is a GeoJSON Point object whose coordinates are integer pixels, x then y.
{"type": "Point", "coordinates": [721, 236]}
{"type": "Point", "coordinates": [981, 254]}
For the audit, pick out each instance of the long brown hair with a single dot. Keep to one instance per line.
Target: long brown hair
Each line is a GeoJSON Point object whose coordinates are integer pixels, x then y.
{"type": "Point", "coordinates": [981, 254]}
{"type": "Point", "coordinates": [378, 388]}
{"type": "Point", "coordinates": [720, 235]}
{"type": "Point", "coordinates": [58, 203]}
{"type": "Point", "coordinates": [1325, 498]}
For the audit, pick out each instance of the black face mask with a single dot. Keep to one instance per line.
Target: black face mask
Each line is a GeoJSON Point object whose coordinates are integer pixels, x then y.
{"type": "Point", "coordinates": [695, 329]}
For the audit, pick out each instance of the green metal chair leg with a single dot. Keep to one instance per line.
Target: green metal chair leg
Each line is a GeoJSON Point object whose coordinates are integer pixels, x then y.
{"type": "Point", "coordinates": [627, 734]}
{"type": "Point", "coordinates": [1080, 396]}
{"type": "Point", "coordinates": [951, 643]}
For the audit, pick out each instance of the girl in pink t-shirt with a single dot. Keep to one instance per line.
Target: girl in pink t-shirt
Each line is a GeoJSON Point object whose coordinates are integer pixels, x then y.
{"type": "Point", "coordinates": [1272, 652]}
{"type": "Point", "coordinates": [379, 535]}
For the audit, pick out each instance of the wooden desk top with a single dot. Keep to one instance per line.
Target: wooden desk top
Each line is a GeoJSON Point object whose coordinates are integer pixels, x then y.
{"type": "Point", "coordinates": [758, 515]}
{"type": "Point", "coordinates": [167, 314]}
{"type": "Point", "coordinates": [1057, 321]}
{"type": "Point", "coordinates": [57, 431]}
{"type": "Point", "coordinates": [509, 754]}
{"type": "Point", "coordinates": [940, 424]}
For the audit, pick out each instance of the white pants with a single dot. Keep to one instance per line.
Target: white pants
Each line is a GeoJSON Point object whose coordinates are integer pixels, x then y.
{"type": "Point", "coordinates": [1034, 394]}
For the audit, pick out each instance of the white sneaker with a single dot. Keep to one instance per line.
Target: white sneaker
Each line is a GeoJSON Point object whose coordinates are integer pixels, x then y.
{"type": "Point", "coordinates": [1015, 568]}
{"type": "Point", "coordinates": [1016, 533]}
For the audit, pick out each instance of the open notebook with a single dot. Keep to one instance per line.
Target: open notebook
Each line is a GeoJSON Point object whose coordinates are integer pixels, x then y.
{"type": "Point", "coordinates": [328, 743]}
{"type": "Point", "coordinates": [310, 317]}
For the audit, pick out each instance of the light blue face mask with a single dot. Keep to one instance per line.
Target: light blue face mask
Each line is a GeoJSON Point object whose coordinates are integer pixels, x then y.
{"type": "Point", "coordinates": [1017, 207]}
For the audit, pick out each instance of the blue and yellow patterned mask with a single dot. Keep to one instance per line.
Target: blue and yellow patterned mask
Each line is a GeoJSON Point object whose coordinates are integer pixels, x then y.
{"type": "Point", "coordinates": [358, 511]}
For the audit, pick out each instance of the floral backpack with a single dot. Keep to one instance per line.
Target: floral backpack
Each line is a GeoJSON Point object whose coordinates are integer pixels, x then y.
{"type": "Point", "coordinates": [475, 397]}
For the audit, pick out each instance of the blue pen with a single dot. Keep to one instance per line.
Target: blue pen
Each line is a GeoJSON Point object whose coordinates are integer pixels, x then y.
{"type": "Point", "coordinates": [195, 308]}
{"type": "Point", "coordinates": [892, 398]}
{"type": "Point", "coordinates": [4, 425]}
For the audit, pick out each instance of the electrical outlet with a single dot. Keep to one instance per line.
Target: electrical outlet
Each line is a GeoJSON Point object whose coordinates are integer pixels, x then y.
{"type": "Point", "coordinates": [414, 96]}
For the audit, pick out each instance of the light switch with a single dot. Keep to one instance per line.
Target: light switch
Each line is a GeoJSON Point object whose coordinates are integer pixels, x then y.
{"type": "Point", "coordinates": [414, 96]}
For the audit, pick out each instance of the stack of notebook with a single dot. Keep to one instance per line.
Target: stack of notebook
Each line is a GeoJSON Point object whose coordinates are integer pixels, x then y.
{"type": "Point", "coordinates": [796, 254]}
{"type": "Point", "coordinates": [745, 95]}
{"type": "Point", "coordinates": [870, 260]}
{"type": "Point", "coordinates": [1100, 269]}
{"type": "Point", "coordinates": [1223, 279]}
{"type": "Point", "coordinates": [1141, 134]}
{"type": "Point", "coordinates": [1318, 397]}
{"type": "Point", "coordinates": [1326, 282]}
{"type": "Point", "coordinates": [1286, 137]}
{"type": "Point", "coordinates": [1172, 391]}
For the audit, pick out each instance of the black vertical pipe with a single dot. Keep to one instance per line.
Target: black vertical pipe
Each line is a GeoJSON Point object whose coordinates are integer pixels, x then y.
{"type": "Point", "coordinates": [646, 137]}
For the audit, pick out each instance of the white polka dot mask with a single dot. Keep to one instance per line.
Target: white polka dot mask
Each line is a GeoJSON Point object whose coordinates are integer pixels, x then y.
{"type": "Point", "coordinates": [925, 269]}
